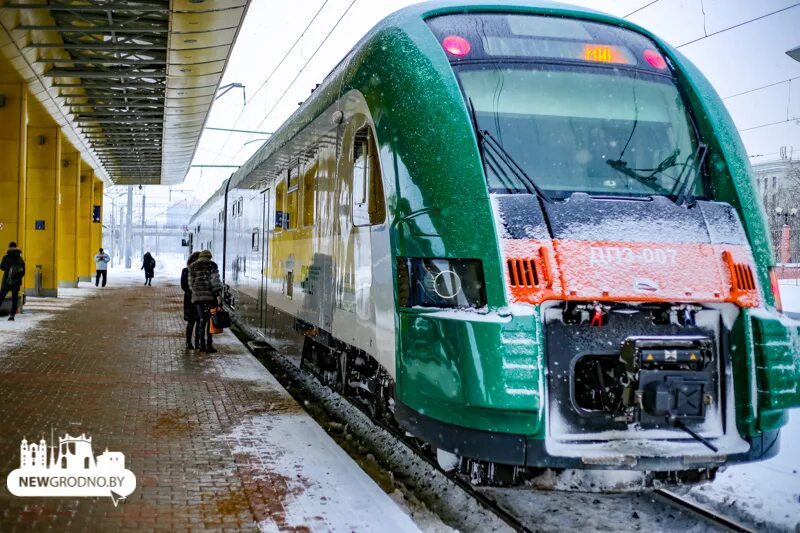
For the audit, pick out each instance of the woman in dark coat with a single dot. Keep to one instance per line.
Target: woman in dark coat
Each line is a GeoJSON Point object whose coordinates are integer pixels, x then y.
{"type": "Point", "coordinates": [13, 268]}
{"type": "Point", "coordinates": [149, 266]}
{"type": "Point", "coordinates": [189, 311]}
{"type": "Point", "coordinates": [206, 293]}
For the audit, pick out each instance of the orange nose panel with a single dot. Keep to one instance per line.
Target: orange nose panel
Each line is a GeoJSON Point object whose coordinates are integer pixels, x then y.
{"type": "Point", "coordinates": [629, 271]}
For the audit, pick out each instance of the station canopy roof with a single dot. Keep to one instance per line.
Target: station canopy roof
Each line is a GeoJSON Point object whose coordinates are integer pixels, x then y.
{"type": "Point", "coordinates": [130, 82]}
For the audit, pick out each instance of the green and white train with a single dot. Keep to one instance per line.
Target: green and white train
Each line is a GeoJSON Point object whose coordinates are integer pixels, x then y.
{"type": "Point", "coordinates": [529, 234]}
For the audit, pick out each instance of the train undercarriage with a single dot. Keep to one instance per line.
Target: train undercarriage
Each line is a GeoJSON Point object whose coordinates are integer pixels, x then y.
{"type": "Point", "coordinates": [648, 377]}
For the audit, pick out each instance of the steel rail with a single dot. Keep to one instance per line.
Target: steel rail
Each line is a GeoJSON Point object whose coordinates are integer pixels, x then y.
{"type": "Point", "coordinates": [709, 515]}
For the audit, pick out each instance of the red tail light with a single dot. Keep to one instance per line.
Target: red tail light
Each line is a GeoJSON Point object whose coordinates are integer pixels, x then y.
{"type": "Point", "coordinates": [655, 59]}
{"type": "Point", "coordinates": [776, 290]}
{"type": "Point", "coordinates": [456, 45]}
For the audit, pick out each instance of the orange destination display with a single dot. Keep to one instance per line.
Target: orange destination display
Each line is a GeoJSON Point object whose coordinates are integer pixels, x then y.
{"type": "Point", "coordinates": [604, 53]}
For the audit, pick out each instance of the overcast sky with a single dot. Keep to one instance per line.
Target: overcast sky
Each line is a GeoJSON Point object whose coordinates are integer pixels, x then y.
{"type": "Point", "coordinates": [735, 60]}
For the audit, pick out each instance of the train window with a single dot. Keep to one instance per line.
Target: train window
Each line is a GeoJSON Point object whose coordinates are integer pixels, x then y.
{"type": "Point", "coordinates": [294, 177]}
{"type": "Point", "coordinates": [254, 240]}
{"type": "Point", "coordinates": [308, 194]}
{"type": "Point", "coordinates": [291, 209]}
{"type": "Point", "coordinates": [368, 204]}
{"type": "Point", "coordinates": [280, 202]}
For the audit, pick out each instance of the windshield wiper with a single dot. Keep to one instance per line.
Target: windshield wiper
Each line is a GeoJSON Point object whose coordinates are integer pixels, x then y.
{"type": "Point", "coordinates": [485, 139]}
{"type": "Point", "coordinates": [685, 190]}
{"type": "Point", "coordinates": [652, 173]}
{"type": "Point", "coordinates": [489, 141]}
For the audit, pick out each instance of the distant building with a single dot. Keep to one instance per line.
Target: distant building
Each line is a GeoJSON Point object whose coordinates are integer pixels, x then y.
{"type": "Point", "coordinates": [778, 184]}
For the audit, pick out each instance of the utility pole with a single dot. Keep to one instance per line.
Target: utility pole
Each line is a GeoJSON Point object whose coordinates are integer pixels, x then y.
{"type": "Point", "coordinates": [122, 233]}
{"type": "Point", "coordinates": [143, 219]}
{"type": "Point", "coordinates": [113, 230]}
{"type": "Point", "coordinates": [129, 228]}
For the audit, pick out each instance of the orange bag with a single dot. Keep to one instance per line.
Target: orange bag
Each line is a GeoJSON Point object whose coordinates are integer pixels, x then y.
{"type": "Point", "coordinates": [211, 329]}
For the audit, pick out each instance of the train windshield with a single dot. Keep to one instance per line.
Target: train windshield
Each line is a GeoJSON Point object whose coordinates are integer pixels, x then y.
{"type": "Point", "coordinates": [566, 106]}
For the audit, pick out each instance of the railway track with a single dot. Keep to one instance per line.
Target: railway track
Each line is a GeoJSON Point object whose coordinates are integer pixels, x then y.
{"type": "Point", "coordinates": [291, 377]}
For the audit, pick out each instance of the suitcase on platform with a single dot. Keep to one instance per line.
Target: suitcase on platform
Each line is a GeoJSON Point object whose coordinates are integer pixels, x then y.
{"type": "Point", "coordinates": [220, 319]}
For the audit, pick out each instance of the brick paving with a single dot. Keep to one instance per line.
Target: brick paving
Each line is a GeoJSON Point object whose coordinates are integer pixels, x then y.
{"type": "Point", "coordinates": [191, 425]}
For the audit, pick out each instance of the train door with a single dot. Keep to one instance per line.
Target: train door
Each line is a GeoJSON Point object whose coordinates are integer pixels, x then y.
{"type": "Point", "coordinates": [354, 319]}
{"type": "Point", "coordinates": [325, 222]}
{"type": "Point", "coordinates": [265, 230]}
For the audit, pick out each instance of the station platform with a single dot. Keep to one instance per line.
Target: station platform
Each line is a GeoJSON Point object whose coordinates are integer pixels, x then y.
{"type": "Point", "coordinates": [214, 441]}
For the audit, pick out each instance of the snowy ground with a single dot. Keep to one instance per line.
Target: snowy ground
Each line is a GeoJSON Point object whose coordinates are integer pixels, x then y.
{"type": "Point", "coordinates": [37, 310]}
{"type": "Point", "coordinates": [33, 313]}
{"type": "Point", "coordinates": [168, 270]}
{"type": "Point", "coordinates": [283, 447]}
{"type": "Point", "coordinates": [790, 296]}
{"type": "Point", "coordinates": [767, 493]}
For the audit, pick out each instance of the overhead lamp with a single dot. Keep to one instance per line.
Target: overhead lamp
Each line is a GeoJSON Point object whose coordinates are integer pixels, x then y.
{"type": "Point", "coordinates": [794, 53]}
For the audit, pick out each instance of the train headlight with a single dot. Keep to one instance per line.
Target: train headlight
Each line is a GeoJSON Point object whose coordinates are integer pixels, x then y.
{"type": "Point", "coordinates": [440, 282]}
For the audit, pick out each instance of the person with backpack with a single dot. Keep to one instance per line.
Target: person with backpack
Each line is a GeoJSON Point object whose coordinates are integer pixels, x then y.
{"type": "Point", "coordinates": [101, 261]}
{"type": "Point", "coordinates": [206, 290]}
{"type": "Point", "coordinates": [189, 311]}
{"type": "Point", "coordinates": [149, 266]}
{"type": "Point", "coordinates": [13, 267]}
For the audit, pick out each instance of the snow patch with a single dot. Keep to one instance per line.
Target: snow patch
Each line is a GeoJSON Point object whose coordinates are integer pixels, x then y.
{"type": "Point", "coordinates": [590, 480]}
{"type": "Point", "coordinates": [471, 316]}
{"type": "Point", "coordinates": [33, 313]}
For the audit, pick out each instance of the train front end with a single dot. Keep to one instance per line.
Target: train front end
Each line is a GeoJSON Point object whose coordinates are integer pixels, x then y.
{"type": "Point", "coordinates": [639, 329]}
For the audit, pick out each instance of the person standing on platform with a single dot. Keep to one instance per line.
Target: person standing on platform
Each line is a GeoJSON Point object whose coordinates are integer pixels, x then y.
{"type": "Point", "coordinates": [149, 267]}
{"type": "Point", "coordinates": [13, 267]}
{"type": "Point", "coordinates": [206, 290]}
{"type": "Point", "coordinates": [189, 311]}
{"type": "Point", "coordinates": [101, 261]}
